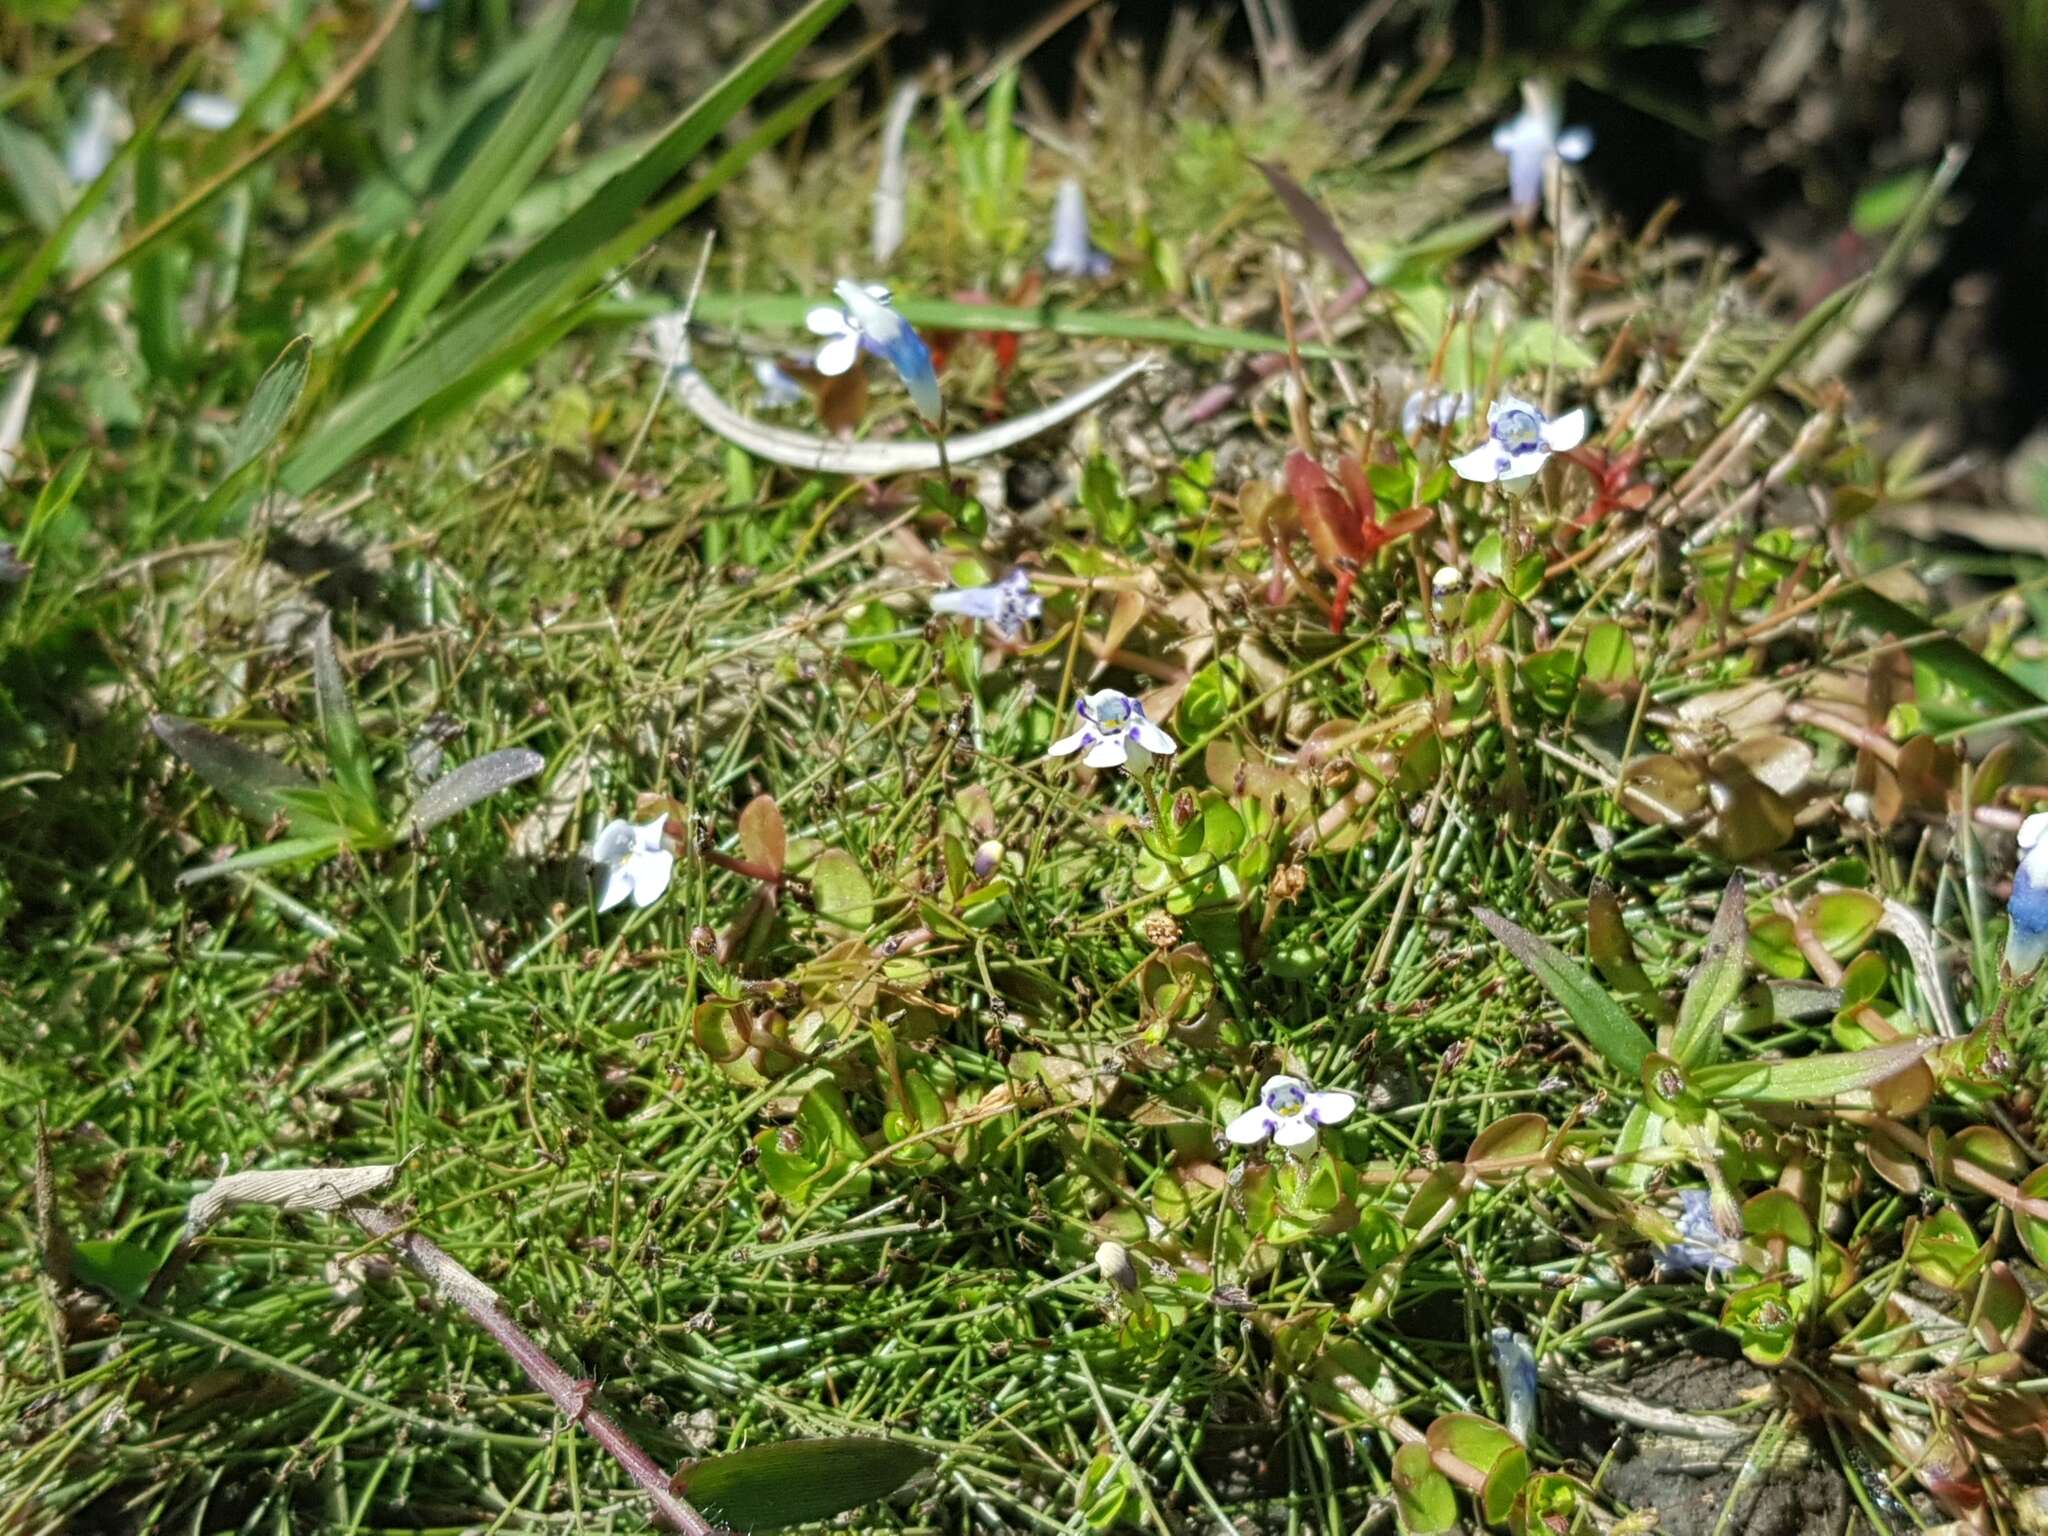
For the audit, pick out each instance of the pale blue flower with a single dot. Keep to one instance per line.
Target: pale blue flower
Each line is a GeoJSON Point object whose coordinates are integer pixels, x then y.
{"type": "Point", "coordinates": [868, 320]}
{"type": "Point", "coordinates": [203, 109]}
{"type": "Point", "coordinates": [1516, 1363]}
{"type": "Point", "coordinates": [1071, 253]}
{"type": "Point", "coordinates": [632, 861]}
{"type": "Point", "coordinates": [1113, 727]}
{"type": "Point", "coordinates": [1291, 1112]}
{"type": "Point", "coordinates": [1534, 139]}
{"type": "Point", "coordinates": [1433, 408]}
{"type": "Point", "coordinates": [2027, 939]}
{"type": "Point", "coordinates": [1520, 441]}
{"type": "Point", "coordinates": [1700, 1249]}
{"type": "Point", "coordinates": [1008, 604]}
{"type": "Point", "coordinates": [99, 131]}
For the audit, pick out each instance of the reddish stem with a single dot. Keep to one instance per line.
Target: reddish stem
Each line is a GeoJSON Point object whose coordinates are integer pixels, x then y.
{"type": "Point", "coordinates": [451, 1282]}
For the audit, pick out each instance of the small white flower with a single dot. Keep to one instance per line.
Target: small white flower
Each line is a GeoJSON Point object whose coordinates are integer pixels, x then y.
{"type": "Point", "coordinates": [1532, 140]}
{"type": "Point", "coordinates": [2026, 941]}
{"type": "Point", "coordinates": [1008, 604]}
{"type": "Point", "coordinates": [100, 130]}
{"type": "Point", "coordinates": [1113, 727]}
{"type": "Point", "coordinates": [867, 319]}
{"type": "Point", "coordinates": [1433, 408]}
{"type": "Point", "coordinates": [203, 109]}
{"type": "Point", "coordinates": [1071, 253]}
{"type": "Point", "coordinates": [777, 387]}
{"type": "Point", "coordinates": [1448, 579]}
{"type": "Point", "coordinates": [1291, 1112]}
{"type": "Point", "coordinates": [632, 861]}
{"type": "Point", "coordinates": [1520, 441]}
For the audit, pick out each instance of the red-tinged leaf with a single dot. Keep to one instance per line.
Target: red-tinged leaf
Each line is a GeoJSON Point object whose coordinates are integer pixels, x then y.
{"type": "Point", "coordinates": [1317, 227]}
{"type": "Point", "coordinates": [1357, 488]}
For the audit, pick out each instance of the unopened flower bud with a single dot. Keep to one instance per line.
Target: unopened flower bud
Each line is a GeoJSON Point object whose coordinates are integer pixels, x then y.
{"type": "Point", "coordinates": [1113, 1263]}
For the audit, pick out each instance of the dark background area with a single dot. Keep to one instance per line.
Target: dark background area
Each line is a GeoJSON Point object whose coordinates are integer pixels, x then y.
{"type": "Point", "coordinates": [1766, 120]}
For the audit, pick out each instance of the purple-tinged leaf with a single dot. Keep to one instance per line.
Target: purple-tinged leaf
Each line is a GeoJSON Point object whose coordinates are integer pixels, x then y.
{"type": "Point", "coordinates": [1317, 227]}
{"type": "Point", "coordinates": [460, 788]}
{"type": "Point", "coordinates": [249, 780]}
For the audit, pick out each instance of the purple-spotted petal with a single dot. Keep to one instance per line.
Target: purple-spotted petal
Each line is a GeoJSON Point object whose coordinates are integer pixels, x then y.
{"type": "Point", "coordinates": [1296, 1132]}
{"type": "Point", "coordinates": [1331, 1106]}
{"type": "Point", "coordinates": [1253, 1126]}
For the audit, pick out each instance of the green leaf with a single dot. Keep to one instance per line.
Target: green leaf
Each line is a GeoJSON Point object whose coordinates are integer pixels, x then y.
{"type": "Point", "coordinates": [270, 405]}
{"type": "Point", "coordinates": [1423, 1496]}
{"type": "Point", "coordinates": [121, 1269]}
{"type": "Point", "coordinates": [537, 296]}
{"type": "Point", "coordinates": [768, 1487]}
{"type": "Point", "coordinates": [248, 780]}
{"type": "Point", "coordinates": [491, 182]}
{"type": "Point", "coordinates": [1610, 654]}
{"type": "Point", "coordinates": [1716, 981]}
{"type": "Point", "coordinates": [1983, 683]}
{"type": "Point", "coordinates": [1808, 1078]}
{"type": "Point", "coordinates": [347, 753]}
{"type": "Point", "coordinates": [1613, 954]}
{"type": "Point", "coordinates": [1609, 1030]}
{"type": "Point", "coordinates": [841, 892]}
{"type": "Point", "coordinates": [477, 780]}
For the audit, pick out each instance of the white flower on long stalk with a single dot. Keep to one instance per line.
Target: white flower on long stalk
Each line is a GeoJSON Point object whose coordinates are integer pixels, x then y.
{"type": "Point", "coordinates": [203, 109]}
{"type": "Point", "coordinates": [1114, 733]}
{"type": "Point", "coordinates": [1008, 604]}
{"type": "Point", "coordinates": [1290, 1112]}
{"type": "Point", "coordinates": [633, 861]}
{"type": "Point", "coordinates": [1533, 140]}
{"type": "Point", "coordinates": [2026, 941]}
{"type": "Point", "coordinates": [1520, 440]}
{"type": "Point", "coordinates": [867, 320]}
{"type": "Point", "coordinates": [101, 129]}
{"type": "Point", "coordinates": [1072, 253]}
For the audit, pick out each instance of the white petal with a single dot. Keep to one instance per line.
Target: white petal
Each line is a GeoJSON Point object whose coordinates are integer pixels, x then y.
{"type": "Point", "coordinates": [2023, 951]}
{"type": "Point", "coordinates": [1330, 1106]}
{"type": "Point", "coordinates": [1565, 433]}
{"type": "Point", "coordinates": [1110, 752]}
{"type": "Point", "coordinates": [1251, 1127]}
{"type": "Point", "coordinates": [650, 836]}
{"type": "Point", "coordinates": [1297, 1131]}
{"type": "Point", "coordinates": [203, 109]}
{"type": "Point", "coordinates": [1575, 143]}
{"type": "Point", "coordinates": [1504, 403]}
{"type": "Point", "coordinates": [1516, 485]}
{"type": "Point", "coordinates": [1153, 739]}
{"type": "Point", "coordinates": [1067, 744]}
{"type": "Point", "coordinates": [618, 885]}
{"type": "Point", "coordinates": [650, 873]}
{"type": "Point", "coordinates": [1525, 176]}
{"type": "Point", "coordinates": [826, 321]}
{"type": "Point", "coordinates": [1483, 464]}
{"type": "Point", "coordinates": [612, 843]}
{"type": "Point", "coordinates": [837, 355]}
{"type": "Point", "coordinates": [1019, 580]}
{"type": "Point", "coordinates": [2033, 829]}
{"type": "Point", "coordinates": [968, 602]}
{"type": "Point", "coordinates": [1505, 134]}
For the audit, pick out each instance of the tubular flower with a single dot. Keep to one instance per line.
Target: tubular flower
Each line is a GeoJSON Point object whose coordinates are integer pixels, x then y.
{"type": "Point", "coordinates": [1008, 605]}
{"type": "Point", "coordinates": [2027, 940]}
{"type": "Point", "coordinates": [1533, 140]}
{"type": "Point", "coordinates": [867, 320]}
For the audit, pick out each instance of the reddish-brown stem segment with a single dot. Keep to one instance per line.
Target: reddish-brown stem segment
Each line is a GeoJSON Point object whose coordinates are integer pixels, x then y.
{"type": "Point", "coordinates": [453, 1283]}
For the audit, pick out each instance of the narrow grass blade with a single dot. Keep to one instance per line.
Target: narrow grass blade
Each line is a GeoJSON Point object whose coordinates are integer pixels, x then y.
{"type": "Point", "coordinates": [288, 850]}
{"type": "Point", "coordinates": [248, 780]}
{"type": "Point", "coordinates": [270, 406]}
{"type": "Point", "coordinates": [502, 168]}
{"type": "Point", "coordinates": [1715, 982]}
{"type": "Point", "coordinates": [460, 788]}
{"type": "Point", "coordinates": [462, 352]}
{"type": "Point", "coordinates": [1959, 666]}
{"type": "Point", "coordinates": [347, 753]}
{"type": "Point", "coordinates": [35, 273]}
{"type": "Point", "coordinates": [1609, 1030]}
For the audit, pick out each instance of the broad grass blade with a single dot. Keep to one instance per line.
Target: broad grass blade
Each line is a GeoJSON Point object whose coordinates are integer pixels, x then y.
{"type": "Point", "coordinates": [503, 167]}
{"type": "Point", "coordinates": [270, 406]}
{"type": "Point", "coordinates": [460, 788]}
{"type": "Point", "coordinates": [767, 1487]}
{"type": "Point", "coordinates": [248, 780]}
{"type": "Point", "coordinates": [347, 753]}
{"type": "Point", "coordinates": [460, 354]}
{"type": "Point", "coordinates": [1715, 982]}
{"type": "Point", "coordinates": [1597, 1016]}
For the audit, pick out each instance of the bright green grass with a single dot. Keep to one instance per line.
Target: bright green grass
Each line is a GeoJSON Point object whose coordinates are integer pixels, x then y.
{"type": "Point", "coordinates": [658, 619]}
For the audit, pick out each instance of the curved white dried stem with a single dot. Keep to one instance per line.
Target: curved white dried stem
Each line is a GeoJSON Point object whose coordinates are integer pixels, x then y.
{"type": "Point", "coordinates": [801, 450]}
